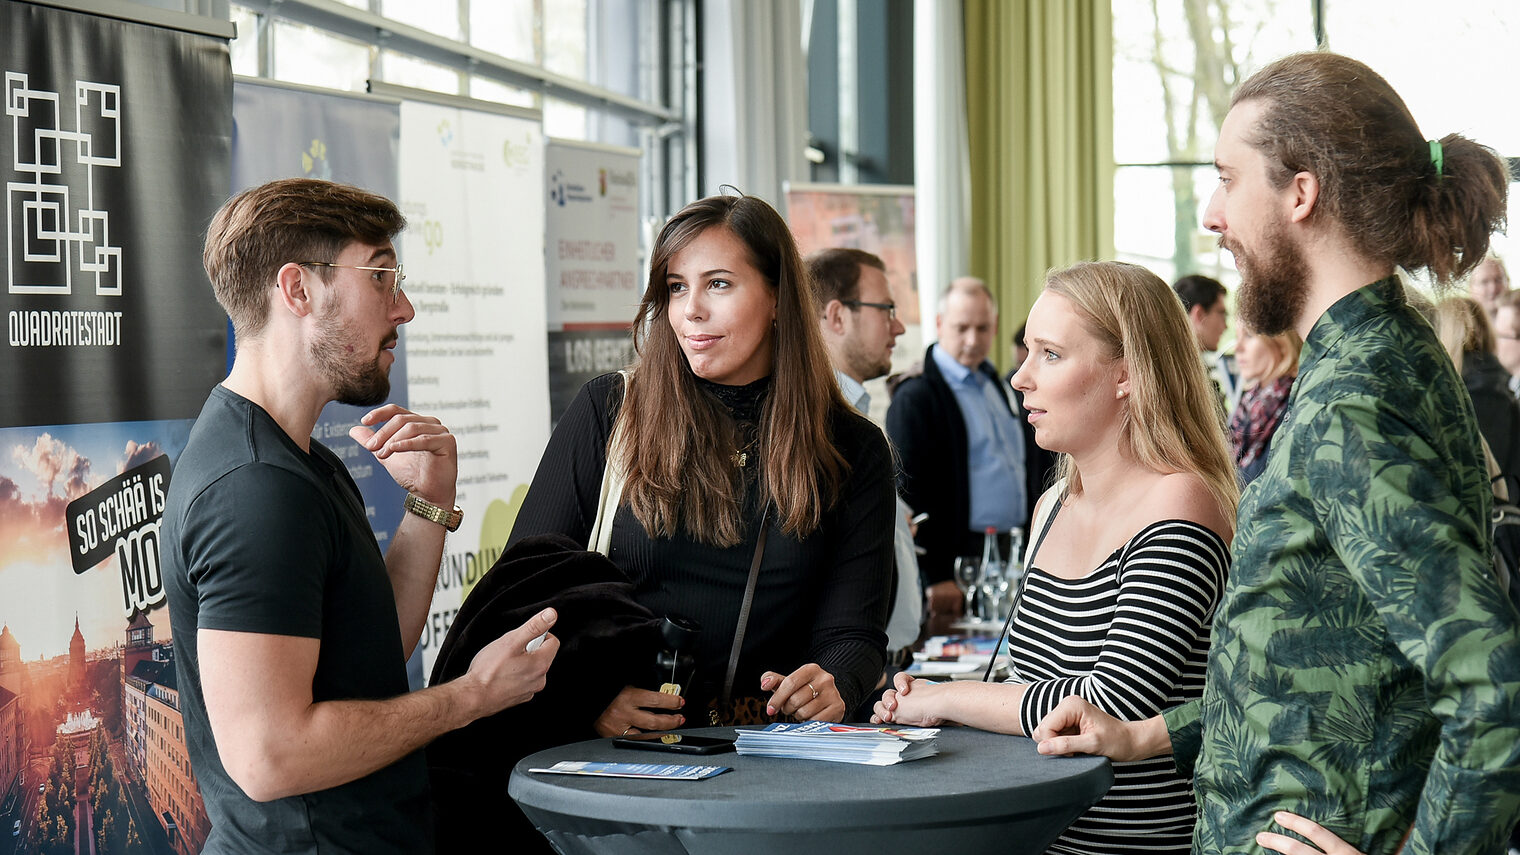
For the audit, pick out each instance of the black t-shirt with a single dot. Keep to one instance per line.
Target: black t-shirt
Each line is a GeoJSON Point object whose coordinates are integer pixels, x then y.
{"type": "Point", "coordinates": [823, 598]}
{"type": "Point", "coordinates": [260, 536]}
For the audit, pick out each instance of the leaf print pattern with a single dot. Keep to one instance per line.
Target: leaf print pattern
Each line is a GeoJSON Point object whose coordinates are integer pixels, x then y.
{"type": "Point", "coordinates": [1365, 665]}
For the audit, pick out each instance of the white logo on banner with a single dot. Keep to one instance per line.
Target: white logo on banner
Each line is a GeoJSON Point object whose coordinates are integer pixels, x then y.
{"type": "Point", "coordinates": [48, 222]}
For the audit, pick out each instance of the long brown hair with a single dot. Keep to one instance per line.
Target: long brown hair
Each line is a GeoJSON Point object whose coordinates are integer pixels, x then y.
{"type": "Point", "coordinates": [1171, 423]}
{"type": "Point", "coordinates": [679, 442]}
{"type": "Point", "coordinates": [1334, 117]}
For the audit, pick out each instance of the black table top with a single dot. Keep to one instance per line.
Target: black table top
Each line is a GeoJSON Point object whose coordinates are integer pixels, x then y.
{"type": "Point", "coordinates": [976, 775]}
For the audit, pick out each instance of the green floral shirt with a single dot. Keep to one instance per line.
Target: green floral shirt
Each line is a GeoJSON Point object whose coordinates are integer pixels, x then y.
{"type": "Point", "coordinates": [1365, 665]}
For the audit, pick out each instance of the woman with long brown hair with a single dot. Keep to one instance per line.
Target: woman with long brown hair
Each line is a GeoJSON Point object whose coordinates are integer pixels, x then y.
{"type": "Point", "coordinates": [733, 442]}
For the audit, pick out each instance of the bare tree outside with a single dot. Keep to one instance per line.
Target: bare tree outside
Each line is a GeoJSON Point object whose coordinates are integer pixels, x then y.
{"type": "Point", "coordinates": [1193, 95]}
{"type": "Point", "coordinates": [1176, 64]}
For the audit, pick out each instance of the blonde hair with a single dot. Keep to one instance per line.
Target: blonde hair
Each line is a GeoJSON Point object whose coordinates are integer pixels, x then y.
{"type": "Point", "coordinates": [1171, 421]}
{"type": "Point", "coordinates": [1286, 346]}
{"type": "Point", "coordinates": [1463, 327]}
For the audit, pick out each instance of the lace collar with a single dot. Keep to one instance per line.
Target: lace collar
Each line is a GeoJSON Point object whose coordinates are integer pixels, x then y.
{"type": "Point", "coordinates": [742, 402]}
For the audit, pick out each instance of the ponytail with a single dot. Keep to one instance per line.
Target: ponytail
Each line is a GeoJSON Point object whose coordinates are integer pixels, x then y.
{"type": "Point", "coordinates": [1398, 197]}
{"type": "Point", "coordinates": [1457, 210]}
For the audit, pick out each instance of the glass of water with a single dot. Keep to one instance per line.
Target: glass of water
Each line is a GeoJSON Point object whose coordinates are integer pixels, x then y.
{"type": "Point", "coordinates": [968, 577]}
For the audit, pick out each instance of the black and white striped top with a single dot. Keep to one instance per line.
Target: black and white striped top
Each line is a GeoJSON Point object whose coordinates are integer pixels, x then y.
{"type": "Point", "coordinates": [1132, 638]}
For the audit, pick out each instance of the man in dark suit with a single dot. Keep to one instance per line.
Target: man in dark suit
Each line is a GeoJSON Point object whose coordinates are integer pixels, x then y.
{"type": "Point", "coordinates": [968, 457]}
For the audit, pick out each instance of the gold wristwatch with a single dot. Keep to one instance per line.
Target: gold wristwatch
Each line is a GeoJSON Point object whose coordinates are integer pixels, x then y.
{"type": "Point", "coordinates": [432, 513]}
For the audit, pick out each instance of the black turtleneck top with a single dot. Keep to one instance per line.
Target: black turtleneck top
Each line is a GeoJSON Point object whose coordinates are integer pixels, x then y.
{"type": "Point", "coordinates": [821, 599]}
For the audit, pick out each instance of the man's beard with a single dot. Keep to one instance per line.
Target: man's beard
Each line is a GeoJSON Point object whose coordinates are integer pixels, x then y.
{"type": "Point", "coordinates": [362, 385]}
{"type": "Point", "coordinates": [1274, 284]}
{"type": "Point", "coordinates": [868, 365]}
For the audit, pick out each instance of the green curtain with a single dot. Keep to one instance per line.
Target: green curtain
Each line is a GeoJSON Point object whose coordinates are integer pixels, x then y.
{"type": "Point", "coordinates": [1039, 109]}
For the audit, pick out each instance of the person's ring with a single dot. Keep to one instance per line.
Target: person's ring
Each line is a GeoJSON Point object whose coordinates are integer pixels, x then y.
{"type": "Point", "coordinates": [626, 729]}
{"type": "Point", "coordinates": [815, 691]}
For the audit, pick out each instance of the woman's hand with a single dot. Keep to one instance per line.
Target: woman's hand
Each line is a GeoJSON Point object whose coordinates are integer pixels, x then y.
{"type": "Point", "coordinates": [1325, 839]}
{"type": "Point", "coordinates": [908, 702]}
{"type": "Point", "coordinates": [807, 694]}
{"type": "Point", "coordinates": [627, 714]}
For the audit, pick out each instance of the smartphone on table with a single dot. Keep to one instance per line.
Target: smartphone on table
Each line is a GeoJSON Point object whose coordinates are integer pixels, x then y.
{"type": "Point", "coordinates": [679, 743]}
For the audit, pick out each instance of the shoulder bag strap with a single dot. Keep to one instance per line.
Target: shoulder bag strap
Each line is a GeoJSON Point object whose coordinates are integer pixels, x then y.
{"type": "Point", "coordinates": [613, 478]}
{"type": "Point", "coordinates": [749, 600]}
{"type": "Point", "coordinates": [1047, 518]}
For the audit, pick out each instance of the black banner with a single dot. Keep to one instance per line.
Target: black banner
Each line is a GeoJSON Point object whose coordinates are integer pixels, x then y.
{"type": "Point", "coordinates": [121, 517]}
{"type": "Point", "coordinates": [115, 153]}
{"type": "Point", "coordinates": [576, 356]}
{"type": "Point", "coordinates": [104, 517]}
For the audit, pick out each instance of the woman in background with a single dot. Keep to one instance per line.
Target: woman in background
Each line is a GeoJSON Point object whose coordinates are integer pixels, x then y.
{"type": "Point", "coordinates": [1268, 364]}
{"type": "Point", "coordinates": [731, 433]}
{"type": "Point", "coordinates": [1468, 337]}
{"type": "Point", "coordinates": [1130, 548]}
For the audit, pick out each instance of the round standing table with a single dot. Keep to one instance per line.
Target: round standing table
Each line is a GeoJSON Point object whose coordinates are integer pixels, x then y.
{"type": "Point", "coordinates": [983, 792]}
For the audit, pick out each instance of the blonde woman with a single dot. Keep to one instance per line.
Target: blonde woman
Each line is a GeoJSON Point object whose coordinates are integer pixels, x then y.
{"type": "Point", "coordinates": [1131, 545]}
{"type": "Point", "coordinates": [1468, 336]}
{"type": "Point", "coordinates": [1268, 364]}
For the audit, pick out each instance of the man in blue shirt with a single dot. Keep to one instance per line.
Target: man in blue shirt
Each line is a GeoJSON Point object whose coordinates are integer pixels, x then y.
{"type": "Point", "coordinates": [968, 457]}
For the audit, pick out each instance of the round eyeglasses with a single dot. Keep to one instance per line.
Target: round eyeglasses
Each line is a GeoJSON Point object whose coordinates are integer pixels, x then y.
{"type": "Point", "coordinates": [377, 274]}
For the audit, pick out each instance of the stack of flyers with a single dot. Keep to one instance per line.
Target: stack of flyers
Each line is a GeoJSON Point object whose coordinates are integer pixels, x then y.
{"type": "Point", "coordinates": [839, 743]}
{"type": "Point", "coordinates": [657, 771]}
{"type": "Point", "coordinates": [956, 646]}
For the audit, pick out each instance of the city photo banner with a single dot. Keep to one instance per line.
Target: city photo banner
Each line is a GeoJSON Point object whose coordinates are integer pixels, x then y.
{"type": "Point", "coordinates": [115, 154]}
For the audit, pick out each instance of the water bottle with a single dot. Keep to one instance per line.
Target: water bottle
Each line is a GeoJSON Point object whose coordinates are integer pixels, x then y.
{"type": "Point", "coordinates": [994, 582]}
{"type": "Point", "coordinates": [675, 665]}
{"type": "Point", "coordinates": [1015, 569]}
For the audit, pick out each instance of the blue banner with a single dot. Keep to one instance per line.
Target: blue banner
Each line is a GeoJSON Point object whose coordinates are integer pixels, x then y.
{"type": "Point", "coordinates": [282, 132]}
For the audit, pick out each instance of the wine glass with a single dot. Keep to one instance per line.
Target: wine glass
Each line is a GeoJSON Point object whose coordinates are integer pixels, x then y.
{"type": "Point", "coordinates": [968, 577]}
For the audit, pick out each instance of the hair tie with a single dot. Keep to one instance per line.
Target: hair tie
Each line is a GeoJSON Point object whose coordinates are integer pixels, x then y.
{"type": "Point", "coordinates": [1437, 158]}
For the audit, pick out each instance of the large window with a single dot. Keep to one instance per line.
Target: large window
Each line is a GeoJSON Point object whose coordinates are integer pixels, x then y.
{"type": "Point", "coordinates": [1452, 69]}
{"type": "Point", "coordinates": [1177, 61]}
{"type": "Point", "coordinates": [555, 35]}
{"type": "Point", "coordinates": [1175, 65]}
{"type": "Point", "coordinates": [600, 72]}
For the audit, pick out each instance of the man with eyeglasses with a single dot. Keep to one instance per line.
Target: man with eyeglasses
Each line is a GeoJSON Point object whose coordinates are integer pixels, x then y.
{"type": "Point", "coordinates": [968, 457]}
{"type": "Point", "coordinates": [860, 328]}
{"type": "Point", "coordinates": [1207, 305]}
{"type": "Point", "coordinates": [291, 628]}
